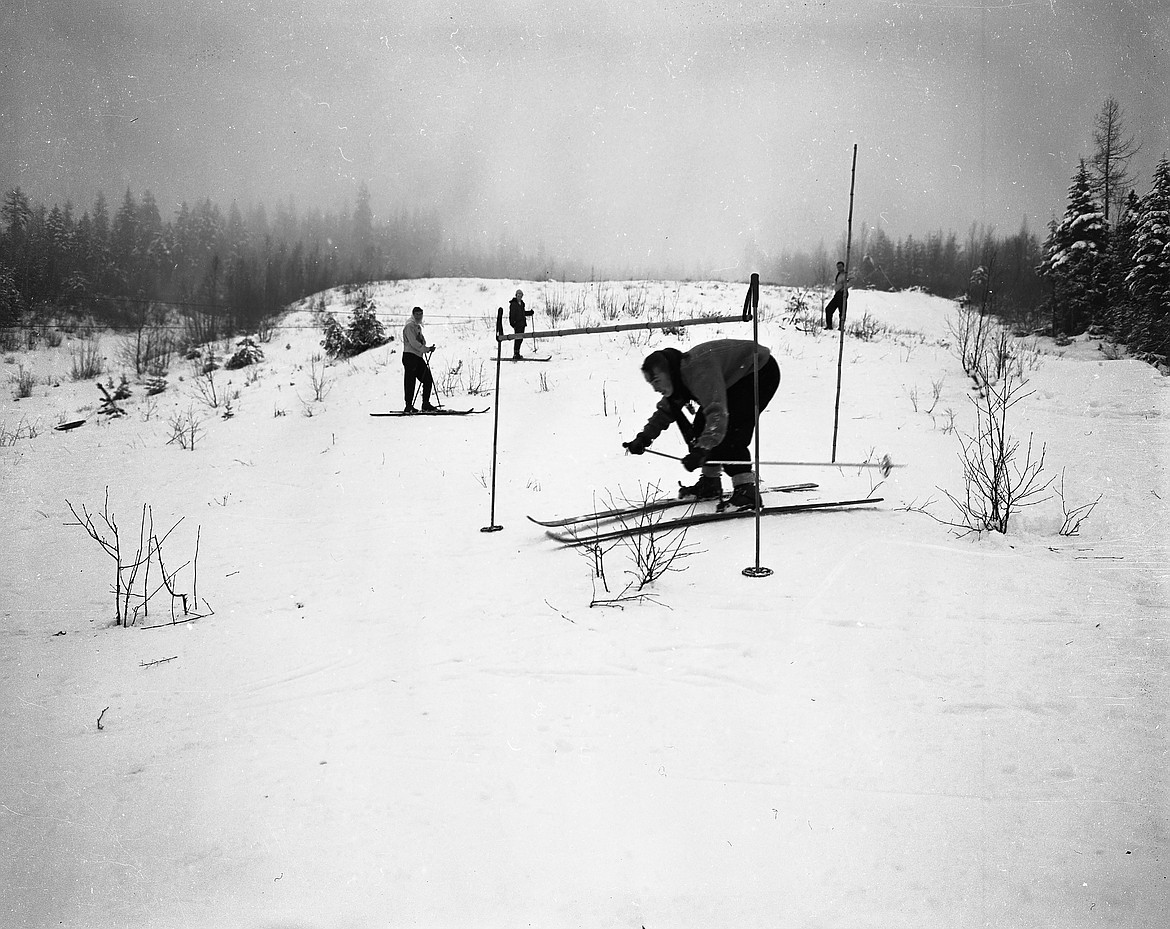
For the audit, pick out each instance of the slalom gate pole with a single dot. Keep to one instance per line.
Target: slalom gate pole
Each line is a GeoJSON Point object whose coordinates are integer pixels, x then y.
{"type": "Point", "coordinates": [844, 305]}
{"type": "Point", "coordinates": [751, 308]}
{"type": "Point", "coordinates": [492, 526]}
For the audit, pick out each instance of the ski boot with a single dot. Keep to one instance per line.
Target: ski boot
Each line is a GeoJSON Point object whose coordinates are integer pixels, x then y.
{"type": "Point", "coordinates": [429, 408]}
{"type": "Point", "coordinates": [409, 408]}
{"type": "Point", "coordinates": [708, 487]}
{"type": "Point", "coordinates": [745, 496]}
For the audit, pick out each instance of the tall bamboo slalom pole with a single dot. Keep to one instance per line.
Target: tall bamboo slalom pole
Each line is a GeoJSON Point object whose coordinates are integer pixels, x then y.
{"type": "Point", "coordinates": [844, 306]}
{"type": "Point", "coordinates": [751, 307]}
{"type": "Point", "coordinates": [492, 526]}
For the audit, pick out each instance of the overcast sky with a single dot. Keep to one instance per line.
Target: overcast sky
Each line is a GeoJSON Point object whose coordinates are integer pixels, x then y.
{"type": "Point", "coordinates": [615, 131]}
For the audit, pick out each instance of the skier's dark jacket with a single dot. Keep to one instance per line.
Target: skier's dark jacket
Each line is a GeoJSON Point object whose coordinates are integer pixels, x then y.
{"type": "Point", "coordinates": [701, 377]}
{"type": "Point", "coordinates": [517, 314]}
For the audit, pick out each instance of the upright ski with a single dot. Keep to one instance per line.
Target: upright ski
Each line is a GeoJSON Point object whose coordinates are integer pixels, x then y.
{"type": "Point", "coordinates": [695, 519]}
{"type": "Point", "coordinates": [666, 504]}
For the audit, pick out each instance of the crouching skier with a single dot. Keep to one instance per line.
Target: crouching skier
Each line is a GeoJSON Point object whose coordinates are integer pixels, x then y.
{"type": "Point", "coordinates": [713, 381]}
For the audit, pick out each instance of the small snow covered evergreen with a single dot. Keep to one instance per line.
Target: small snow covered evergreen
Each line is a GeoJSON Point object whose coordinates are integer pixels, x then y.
{"type": "Point", "coordinates": [1074, 259]}
{"type": "Point", "coordinates": [1149, 277]}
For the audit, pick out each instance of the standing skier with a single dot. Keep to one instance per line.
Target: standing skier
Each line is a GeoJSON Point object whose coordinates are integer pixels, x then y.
{"type": "Point", "coordinates": [838, 301]}
{"type": "Point", "coordinates": [714, 378]}
{"type": "Point", "coordinates": [518, 319]}
{"type": "Point", "coordinates": [414, 362]}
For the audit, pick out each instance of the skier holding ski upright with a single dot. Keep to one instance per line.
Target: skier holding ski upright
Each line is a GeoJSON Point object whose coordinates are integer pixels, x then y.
{"type": "Point", "coordinates": [518, 319]}
{"type": "Point", "coordinates": [414, 362]}
{"type": "Point", "coordinates": [714, 381]}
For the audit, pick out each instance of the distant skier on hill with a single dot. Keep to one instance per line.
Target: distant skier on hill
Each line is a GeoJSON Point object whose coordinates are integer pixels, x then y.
{"type": "Point", "coordinates": [716, 379]}
{"type": "Point", "coordinates": [518, 319]}
{"type": "Point", "coordinates": [414, 362]}
{"type": "Point", "coordinates": [838, 301]}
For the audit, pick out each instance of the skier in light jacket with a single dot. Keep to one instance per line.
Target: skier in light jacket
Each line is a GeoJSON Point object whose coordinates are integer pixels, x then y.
{"type": "Point", "coordinates": [414, 362]}
{"type": "Point", "coordinates": [714, 381]}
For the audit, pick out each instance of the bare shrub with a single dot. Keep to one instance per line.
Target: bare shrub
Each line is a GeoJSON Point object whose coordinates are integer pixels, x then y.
{"type": "Point", "coordinates": [997, 480]}
{"type": "Point", "coordinates": [207, 390]}
{"type": "Point", "coordinates": [148, 350]}
{"type": "Point", "coordinates": [186, 429]}
{"type": "Point", "coordinates": [451, 380]}
{"type": "Point", "coordinates": [24, 381]}
{"type": "Point", "coordinates": [86, 361]}
{"type": "Point", "coordinates": [318, 379]}
{"type": "Point", "coordinates": [553, 294]}
{"type": "Point", "coordinates": [132, 600]}
{"type": "Point", "coordinates": [1074, 517]}
{"type": "Point", "coordinates": [635, 302]}
{"type": "Point", "coordinates": [477, 380]}
{"type": "Point", "coordinates": [652, 549]}
{"type": "Point", "coordinates": [867, 329]}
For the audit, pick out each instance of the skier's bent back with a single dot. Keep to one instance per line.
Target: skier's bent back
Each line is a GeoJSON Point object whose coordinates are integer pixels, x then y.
{"type": "Point", "coordinates": [714, 378]}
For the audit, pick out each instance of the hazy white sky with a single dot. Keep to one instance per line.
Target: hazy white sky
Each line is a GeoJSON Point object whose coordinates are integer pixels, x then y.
{"type": "Point", "coordinates": [614, 131]}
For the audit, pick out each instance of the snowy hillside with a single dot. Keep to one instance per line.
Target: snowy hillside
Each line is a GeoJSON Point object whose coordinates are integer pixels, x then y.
{"type": "Point", "coordinates": [391, 718]}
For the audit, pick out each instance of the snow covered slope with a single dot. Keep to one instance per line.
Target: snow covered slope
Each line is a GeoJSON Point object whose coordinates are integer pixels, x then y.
{"type": "Point", "coordinates": [393, 718]}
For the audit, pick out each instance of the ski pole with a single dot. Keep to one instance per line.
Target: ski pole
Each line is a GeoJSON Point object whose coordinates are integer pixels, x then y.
{"type": "Point", "coordinates": [434, 385]}
{"type": "Point", "coordinates": [884, 463]}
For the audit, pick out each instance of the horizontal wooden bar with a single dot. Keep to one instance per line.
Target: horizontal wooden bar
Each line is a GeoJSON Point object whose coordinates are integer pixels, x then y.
{"type": "Point", "coordinates": [620, 327]}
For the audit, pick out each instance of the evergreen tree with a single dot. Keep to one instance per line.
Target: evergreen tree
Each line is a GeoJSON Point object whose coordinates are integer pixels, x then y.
{"type": "Point", "coordinates": [1149, 278]}
{"type": "Point", "coordinates": [1120, 312]}
{"type": "Point", "coordinates": [1074, 259]}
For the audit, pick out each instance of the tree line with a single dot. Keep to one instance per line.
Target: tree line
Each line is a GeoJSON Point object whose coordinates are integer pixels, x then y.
{"type": "Point", "coordinates": [1105, 265]}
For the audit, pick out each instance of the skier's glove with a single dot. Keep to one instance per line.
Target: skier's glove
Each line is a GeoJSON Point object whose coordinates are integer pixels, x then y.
{"type": "Point", "coordinates": [635, 447]}
{"type": "Point", "coordinates": [694, 458]}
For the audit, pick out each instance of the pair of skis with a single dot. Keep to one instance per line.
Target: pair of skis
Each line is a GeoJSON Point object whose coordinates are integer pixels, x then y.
{"type": "Point", "coordinates": [435, 412]}
{"type": "Point", "coordinates": [584, 529]}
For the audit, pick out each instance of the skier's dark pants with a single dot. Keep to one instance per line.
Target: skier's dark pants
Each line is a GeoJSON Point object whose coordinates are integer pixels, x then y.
{"type": "Point", "coordinates": [834, 305]}
{"type": "Point", "coordinates": [516, 344]}
{"type": "Point", "coordinates": [741, 417]}
{"type": "Point", "coordinates": [415, 369]}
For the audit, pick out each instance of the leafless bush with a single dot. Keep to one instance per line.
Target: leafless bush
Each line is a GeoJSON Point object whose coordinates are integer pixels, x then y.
{"type": "Point", "coordinates": [22, 430]}
{"type": "Point", "coordinates": [635, 302]}
{"type": "Point", "coordinates": [996, 480]}
{"type": "Point", "coordinates": [207, 390]}
{"type": "Point", "coordinates": [148, 350]}
{"type": "Point", "coordinates": [24, 381]}
{"type": "Point", "coordinates": [86, 360]}
{"type": "Point", "coordinates": [318, 379]}
{"type": "Point", "coordinates": [606, 301]}
{"type": "Point", "coordinates": [451, 380]}
{"type": "Point", "coordinates": [970, 333]}
{"type": "Point", "coordinates": [554, 302]}
{"type": "Point", "coordinates": [186, 429]}
{"type": "Point", "coordinates": [1073, 518]}
{"type": "Point", "coordinates": [477, 380]}
{"type": "Point", "coordinates": [867, 329]}
{"type": "Point", "coordinates": [935, 392]}
{"type": "Point", "coordinates": [653, 549]}
{"type": "Point", "coordinates": [132, 600]}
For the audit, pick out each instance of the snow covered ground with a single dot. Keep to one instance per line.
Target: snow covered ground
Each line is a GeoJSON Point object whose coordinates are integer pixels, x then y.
{"type": "Point", "coordinates": [395, 719]}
